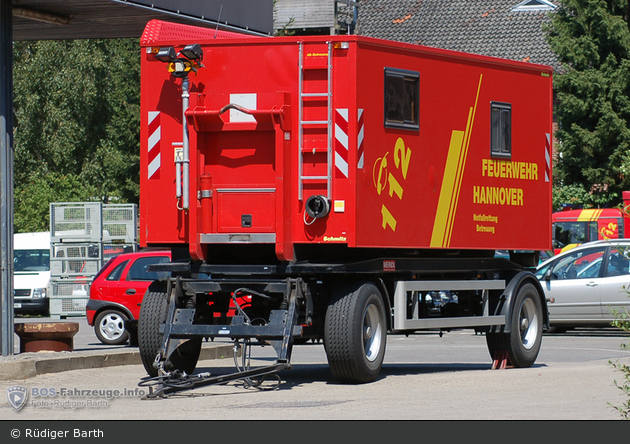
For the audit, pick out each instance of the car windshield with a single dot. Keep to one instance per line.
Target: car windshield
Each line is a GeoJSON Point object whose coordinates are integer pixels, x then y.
{"type": "Point", "coordinates": [31, 260]}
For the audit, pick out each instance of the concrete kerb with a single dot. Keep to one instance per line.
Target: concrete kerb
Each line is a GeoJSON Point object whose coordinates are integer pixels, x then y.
{"type": "Point", "coordinates": [28, 365]}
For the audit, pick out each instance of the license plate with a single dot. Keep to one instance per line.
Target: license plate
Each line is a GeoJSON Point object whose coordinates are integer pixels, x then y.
{"type": "Point", "coordinates": [17, 305]}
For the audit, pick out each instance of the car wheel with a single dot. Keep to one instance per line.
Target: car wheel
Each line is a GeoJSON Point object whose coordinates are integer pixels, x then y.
{"type": "Point", "coordinates": [109, 327]}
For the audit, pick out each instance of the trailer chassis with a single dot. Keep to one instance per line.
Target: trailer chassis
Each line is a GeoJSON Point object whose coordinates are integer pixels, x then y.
{"type": "Point", "coordinates": [498, 282]}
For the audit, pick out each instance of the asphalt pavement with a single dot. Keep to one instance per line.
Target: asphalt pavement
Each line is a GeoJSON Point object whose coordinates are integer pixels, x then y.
{"type": "Point", "coordinates": [425, 377]}
{"type": "Point", "coordinates": [86, 352]}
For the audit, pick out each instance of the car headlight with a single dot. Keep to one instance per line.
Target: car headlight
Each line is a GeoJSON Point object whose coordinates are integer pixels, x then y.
{"type": "Point", "coordinates": [40, 292]}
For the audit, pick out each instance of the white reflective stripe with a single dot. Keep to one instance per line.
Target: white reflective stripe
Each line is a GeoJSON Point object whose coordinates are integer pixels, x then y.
{"type": "Point", "coordinates": [155, 138]}
{"type": "Point", "coordinates": [360, 141]}
{"type": "Point", "coordinates": [547, 160]}
{"type": "Point", "coordinates": [154, 165]}
{"type": "Point", "coordinates": [343, 112]}
{"type": "Point", "coordinates": [341, 136]}
{"type": "Point", "coordinates": [360, 136]}
{"type": "Point", "coordinates": [547, 157]}
{"type": "Point", "coordinates": [153, 115]}
{"type": "Point", "coordinates": [341, 164]}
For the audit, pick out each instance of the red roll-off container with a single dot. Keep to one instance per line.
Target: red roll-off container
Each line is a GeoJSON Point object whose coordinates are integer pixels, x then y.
{"type": "Point", "coordinates": [274, 122]}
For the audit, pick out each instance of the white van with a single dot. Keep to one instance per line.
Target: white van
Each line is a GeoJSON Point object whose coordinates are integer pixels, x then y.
{"type": "Point", "coordinates": [31, 273]}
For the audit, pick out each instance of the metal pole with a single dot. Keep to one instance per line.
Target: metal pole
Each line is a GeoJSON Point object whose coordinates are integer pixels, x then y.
{"type": "Point", "coordinates": [186, 159]}
{"type": "Point", "coordinates": [6, 177]}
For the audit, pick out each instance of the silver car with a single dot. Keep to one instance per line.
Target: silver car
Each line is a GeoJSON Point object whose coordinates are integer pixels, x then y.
{"type": "Point", "coordinates": [585, 284]}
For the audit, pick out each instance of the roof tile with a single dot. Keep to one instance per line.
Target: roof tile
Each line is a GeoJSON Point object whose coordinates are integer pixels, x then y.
{"type": "Point", "coordinates": [486, 27]}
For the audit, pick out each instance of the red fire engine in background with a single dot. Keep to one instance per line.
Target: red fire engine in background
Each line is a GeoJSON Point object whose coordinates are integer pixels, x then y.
{"type": "Point", "coordinates": [572, 227]}
{"type": "Point", "coordinates": [342, 182]}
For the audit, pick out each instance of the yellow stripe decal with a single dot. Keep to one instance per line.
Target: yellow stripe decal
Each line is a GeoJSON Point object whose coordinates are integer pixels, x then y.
{"type": "Point", "coordinates": [446, 192]}
{"type": "Point", "coordinates": [452, 180]}
{"type": "Point", "coordinates": [589, 215]}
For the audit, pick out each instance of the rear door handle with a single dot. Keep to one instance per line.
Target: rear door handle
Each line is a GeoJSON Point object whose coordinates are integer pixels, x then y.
{"type": "Point", "coordinates": [592, 284]}
{"type": "Point", "coordinates": [131, 291]}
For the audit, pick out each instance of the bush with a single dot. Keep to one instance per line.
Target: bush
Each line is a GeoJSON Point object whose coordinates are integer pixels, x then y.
{"type": "Point", "coordinates": [622, 321]}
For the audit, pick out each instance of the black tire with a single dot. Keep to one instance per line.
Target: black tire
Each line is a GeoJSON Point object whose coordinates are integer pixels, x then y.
{"type": "Point", "coordinates": [185, 356]}
{"type": "Point", "coordinates": [523, 342]}
{"type": "Point", "coordinates": [109, 327]}
{"type": "Point", "coordinates": [152, 315]}
{"type": "Point", "coordinates": [355, 333]}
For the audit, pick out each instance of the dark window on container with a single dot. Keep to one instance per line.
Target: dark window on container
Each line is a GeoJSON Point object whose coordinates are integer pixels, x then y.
{"type": "Point", "coordinates": [402, 99]}
{"type": "Point", "coordinates": [500, 129]}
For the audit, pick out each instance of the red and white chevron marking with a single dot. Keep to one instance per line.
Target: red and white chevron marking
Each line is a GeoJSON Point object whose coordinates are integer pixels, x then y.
{"type": "Point", "coordinates": [547, 157]}
{"type": "Point", "coordinates": [155, 134]}
{"type": "Point", "coordinates": [360, 154]}
{"type": "Point", "coordinates": [341, 142]}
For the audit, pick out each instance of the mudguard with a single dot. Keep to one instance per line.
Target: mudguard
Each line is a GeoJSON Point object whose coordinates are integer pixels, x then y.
{"type": "Point", "coordinates": [506, 302]}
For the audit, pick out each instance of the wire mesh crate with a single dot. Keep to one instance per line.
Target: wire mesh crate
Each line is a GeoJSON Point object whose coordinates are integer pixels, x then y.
{"type": "Point", "coordinates": [69, 297]}
{"type": "Point", "coordinates": [120, 223]}
{"type": "Point", "coordinates": [75, 259]}
{"type": "Point", "coordinates": [76, 222]}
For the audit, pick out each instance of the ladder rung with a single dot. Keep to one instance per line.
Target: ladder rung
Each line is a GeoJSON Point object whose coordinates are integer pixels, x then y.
{"type": "Point", "coordinates": [314, 177]}
{"type": "Point", "coordinates": [315, 150]}
{"type": "Point", "coordinates": [314, 122]}
{"type": "Point", "coordinates": [323, 94]}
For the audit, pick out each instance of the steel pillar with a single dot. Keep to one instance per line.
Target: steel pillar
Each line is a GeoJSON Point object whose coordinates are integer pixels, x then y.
{"type": "Point", "coordinates": [6, 177]}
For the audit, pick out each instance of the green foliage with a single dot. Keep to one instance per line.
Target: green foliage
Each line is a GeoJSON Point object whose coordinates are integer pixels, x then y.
{"type": "Point", "coordinates": [578, 195]}
{"type": "Point", "coordinates": [32, 200]}
{"type": "Point", "coordinates": [592, 41]}
{"type": "Point", "coordinates": [77, 125]}
{"type": "Point", "coordinates": [622, 321]}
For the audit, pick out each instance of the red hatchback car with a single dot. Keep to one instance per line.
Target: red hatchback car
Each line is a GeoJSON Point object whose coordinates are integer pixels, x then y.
{"type": "Point", "coordinates": [117, 291]}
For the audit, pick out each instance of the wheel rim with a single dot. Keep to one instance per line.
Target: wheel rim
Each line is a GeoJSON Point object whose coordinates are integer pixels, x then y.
{"type": "Point", "coordinates": [372, 332]}
{"type": "Point", "coordinates": [528, 323]}
{"type": "Point", "coordinates": [112, 327]}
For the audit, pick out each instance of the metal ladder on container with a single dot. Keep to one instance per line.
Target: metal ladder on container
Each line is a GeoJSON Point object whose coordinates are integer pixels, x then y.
{"type": "Point", "coordinates": [308, 123]}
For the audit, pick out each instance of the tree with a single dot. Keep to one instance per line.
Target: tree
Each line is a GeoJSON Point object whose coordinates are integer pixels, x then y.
{"type": "Point", "coordinates": [77, 125]}
{"type": "Point", "coordinates": [592, 41]}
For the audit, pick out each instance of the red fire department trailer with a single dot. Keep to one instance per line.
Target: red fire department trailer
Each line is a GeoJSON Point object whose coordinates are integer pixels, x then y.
{"type": "Point", "coordinates": [353, 187]}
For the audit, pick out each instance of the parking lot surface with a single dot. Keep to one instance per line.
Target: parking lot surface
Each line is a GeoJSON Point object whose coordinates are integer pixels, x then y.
{"type": "Point", "coordinates": [425, 377]}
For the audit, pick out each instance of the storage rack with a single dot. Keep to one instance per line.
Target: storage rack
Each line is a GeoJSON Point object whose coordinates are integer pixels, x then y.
{"type": "Point", "coordinates": [83, 237]}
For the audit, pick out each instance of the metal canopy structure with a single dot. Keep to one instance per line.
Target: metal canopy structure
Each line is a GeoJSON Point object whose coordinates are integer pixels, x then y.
{"type": "Point", "coordinates": [82, 19]}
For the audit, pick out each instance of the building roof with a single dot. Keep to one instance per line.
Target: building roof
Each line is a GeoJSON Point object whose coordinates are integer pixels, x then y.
{"type": "Point", "coordinates": [303, 14]}
{"type": "Point", "coordinates": [487, 27]}
{"type": "Point", "coordinates": [80, 19]}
